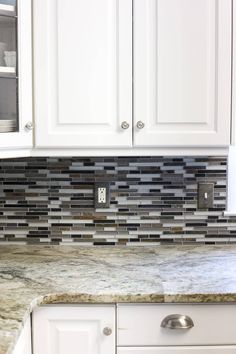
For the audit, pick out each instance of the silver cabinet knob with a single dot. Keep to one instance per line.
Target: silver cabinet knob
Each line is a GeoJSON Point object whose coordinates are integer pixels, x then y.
{"type": "Point", "coordinates": [124, 125]}
{"type": "Point", "coordinates": [29, 126]}
{"type": "Point", "coordinates": [140, 124]}
{"type": "Point", "coordinates": [177, 321]}
{"type": "Point", "coordinates": [107, 331]}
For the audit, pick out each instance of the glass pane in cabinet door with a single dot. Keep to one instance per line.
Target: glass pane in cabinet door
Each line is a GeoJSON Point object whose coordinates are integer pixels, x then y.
{"type": "Point", "coordinates": [8, 7]}
{"type": "Point", "coordinates": [8, 67]}
{"type": "Point", "coordinates": [8, 2]}
{"type": "Point", "coordinates": [7, 45]}
{"type": "Point", "coordinates": [8, 105]}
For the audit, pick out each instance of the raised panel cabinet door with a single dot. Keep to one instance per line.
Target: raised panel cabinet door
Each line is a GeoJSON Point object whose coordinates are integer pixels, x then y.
{"type": "Point", "coordinates": [179, 350]}
{"type": "Point", "coordinates": [182, 72]}
{"type": "Point", "coordinates": [23, 345]}
{"type": "Point", "coordinates": [83, 73]}
{"type": "Point", "coordinates": [74, 330]}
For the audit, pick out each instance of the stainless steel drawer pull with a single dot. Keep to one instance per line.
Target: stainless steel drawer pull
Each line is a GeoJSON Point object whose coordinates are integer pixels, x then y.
{"type": "Point", "coordinates": [177, 321]}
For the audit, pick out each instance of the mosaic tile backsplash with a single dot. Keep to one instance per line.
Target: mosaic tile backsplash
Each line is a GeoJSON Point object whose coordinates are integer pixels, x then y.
{"type": "Point", "coordinates": [153, 201]}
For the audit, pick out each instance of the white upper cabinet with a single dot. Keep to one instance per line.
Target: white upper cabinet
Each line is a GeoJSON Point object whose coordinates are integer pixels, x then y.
{"type": "Point", "coordinates": [15, 75]}
{"type": "Point", "coordinates": [182, 72]}
{"type": "Point", "coordinates": [83, 73]}
{"type": "Point", "coordinates": [177, 52]}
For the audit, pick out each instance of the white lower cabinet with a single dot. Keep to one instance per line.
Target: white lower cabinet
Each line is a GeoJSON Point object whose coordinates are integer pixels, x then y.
{"type": "Point", "coordinates": [23, 345]}
{"type": "Point", "coordinates": [134, 329]}
{"type": "Point", "coordinates": [74, 330]}
{"type": "Point", "coordinates": [179, 350]}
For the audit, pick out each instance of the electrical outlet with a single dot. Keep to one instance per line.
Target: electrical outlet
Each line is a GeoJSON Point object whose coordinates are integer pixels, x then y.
{"type": "Point", "coordinates": [205, 195]}
{"type": "Point", "coordinates": [102, 195]}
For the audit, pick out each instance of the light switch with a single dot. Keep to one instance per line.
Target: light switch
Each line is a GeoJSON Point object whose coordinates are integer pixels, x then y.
{"type": "Point", "coordinates": [205, 195]}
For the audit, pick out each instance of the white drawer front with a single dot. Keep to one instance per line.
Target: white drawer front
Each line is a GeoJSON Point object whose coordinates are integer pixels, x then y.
{"type": "Point", "coordinates": [139, 325]}
{"type": "Point", "coordinates": [179, 350]}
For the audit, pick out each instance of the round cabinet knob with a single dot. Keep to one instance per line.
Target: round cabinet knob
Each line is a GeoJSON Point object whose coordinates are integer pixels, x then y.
{"type": "Point", "coordinates": [107, 331]}
{"type": "Point", "coordinates": [140, 124]}
{"type": "Point", "coordinates": [124, 125]}
{"type": "Point", "coordinates": [177, 321]}
{"type": "Point", "coordinates": [29, 126]}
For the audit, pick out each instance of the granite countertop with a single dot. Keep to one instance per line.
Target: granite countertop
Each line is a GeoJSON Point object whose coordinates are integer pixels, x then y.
{"type": "Point", "coordinates": [34, 275]}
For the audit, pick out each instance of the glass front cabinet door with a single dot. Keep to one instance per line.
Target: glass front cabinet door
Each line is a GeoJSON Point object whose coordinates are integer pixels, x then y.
{"type": "Point", "coordinates": [15, 76]}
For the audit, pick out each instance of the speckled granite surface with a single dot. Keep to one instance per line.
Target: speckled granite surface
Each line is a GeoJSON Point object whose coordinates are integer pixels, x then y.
{"type": "Point", "coordinates": [33, 275]}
